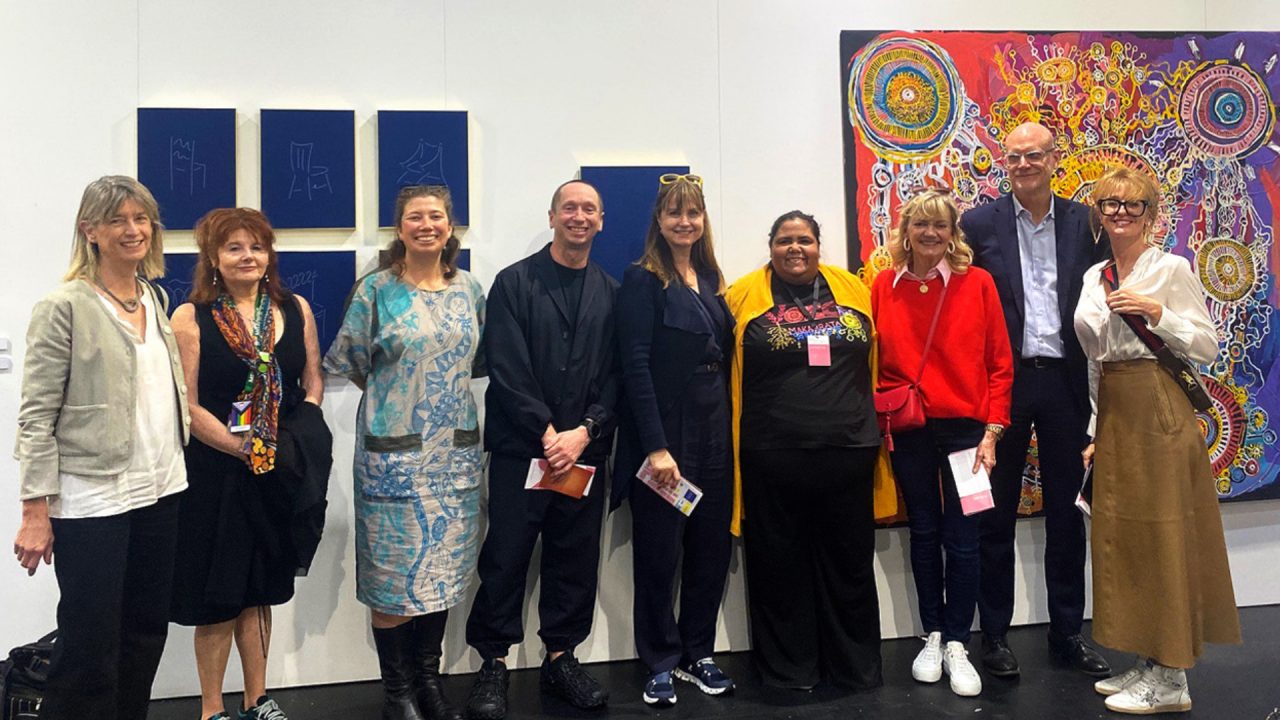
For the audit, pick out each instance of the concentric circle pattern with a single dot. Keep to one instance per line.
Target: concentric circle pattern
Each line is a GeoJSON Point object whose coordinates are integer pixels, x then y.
{"type": "Point", "coordinates": [1225, 110]}
{"type": "Point", "coordinates": [905, 98]}
{"type": "Point", "coordinates": [1223, 426]}
{"type": "Point", "coordinates": [1226, 269]}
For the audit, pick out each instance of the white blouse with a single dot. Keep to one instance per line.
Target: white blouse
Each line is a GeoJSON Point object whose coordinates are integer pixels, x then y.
{"type": "Point", "coordinates": [1185, 324]}
{"type": "Point", "coordinates": [157, 468]}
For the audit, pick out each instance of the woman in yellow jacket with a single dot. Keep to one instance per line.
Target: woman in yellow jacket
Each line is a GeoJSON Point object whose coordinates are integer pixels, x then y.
{"type": "Point", "coordinates": [810, 478]}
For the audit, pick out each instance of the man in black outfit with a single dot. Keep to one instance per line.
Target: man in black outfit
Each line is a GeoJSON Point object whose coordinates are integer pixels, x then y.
{"type": "Point", "coordinates": [553, 382]}
{"type": "Point", "coordinates": [1037, 246]}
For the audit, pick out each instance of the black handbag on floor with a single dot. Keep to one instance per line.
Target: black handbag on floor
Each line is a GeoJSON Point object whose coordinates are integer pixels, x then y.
{"type": "Point", "coordinates": [22, 679]}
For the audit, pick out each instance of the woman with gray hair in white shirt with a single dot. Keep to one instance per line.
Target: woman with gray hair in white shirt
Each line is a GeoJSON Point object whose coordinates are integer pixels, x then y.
{"type": "Point", "coordinates": [1161, 584]}
{"type": "Point", "coordinates": [100, 434]}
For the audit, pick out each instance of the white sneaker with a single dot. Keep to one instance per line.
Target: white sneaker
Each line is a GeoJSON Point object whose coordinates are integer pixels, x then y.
{"type": "Point", "coordinates": [927, 667]}
{"type": "Point", "coordinates": [1117, 683]}
{"type": "Point", "coordinates": [964, 679]}
{"type": "Point", "coordinates": [1161, 689]}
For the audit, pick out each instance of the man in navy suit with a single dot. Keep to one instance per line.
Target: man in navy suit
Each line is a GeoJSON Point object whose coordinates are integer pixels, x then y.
{"type": "Point", "coordinates": [1037, 246]}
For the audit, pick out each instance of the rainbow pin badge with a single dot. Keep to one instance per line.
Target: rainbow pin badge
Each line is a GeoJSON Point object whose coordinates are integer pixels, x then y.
{"type": "Point", "coordinates": [241, 418]}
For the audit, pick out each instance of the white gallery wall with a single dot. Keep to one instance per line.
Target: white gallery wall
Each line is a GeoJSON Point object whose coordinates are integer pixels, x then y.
{"type": "Point", "coordinates": [746, 92]}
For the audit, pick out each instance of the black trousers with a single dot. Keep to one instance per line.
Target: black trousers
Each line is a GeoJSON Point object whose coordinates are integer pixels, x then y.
{"type": "Point", "coordinates": [570, 531]}
{"type": "Point", "coordinates": [115, 575]}
{"type": "Point", "coordinates": [1043, 397]}
{"type": "Point", "coordinates": [809, 536]}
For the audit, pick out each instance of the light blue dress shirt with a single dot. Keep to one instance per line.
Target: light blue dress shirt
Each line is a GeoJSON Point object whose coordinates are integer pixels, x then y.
{"type": "Point", "coordinates": [1038, 251]}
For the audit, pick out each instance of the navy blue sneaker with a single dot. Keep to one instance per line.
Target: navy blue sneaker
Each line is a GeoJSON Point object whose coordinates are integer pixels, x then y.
{"type": "Point", "coordinates": [660, 691]}
{"type": "Point", "coordinates": [704, 673]}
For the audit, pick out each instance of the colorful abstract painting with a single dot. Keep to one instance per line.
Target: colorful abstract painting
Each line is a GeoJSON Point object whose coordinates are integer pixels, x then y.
{"type": "Point", "coordinates": [1196, 111]}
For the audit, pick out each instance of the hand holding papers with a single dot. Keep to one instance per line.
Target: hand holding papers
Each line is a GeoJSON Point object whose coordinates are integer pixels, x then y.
{"type": "Point", "coordinates": [575, 483]}
{"type": "Point", "coordinates": [974, 488]}
{"type": "Point", "coordinates": [683, 497]}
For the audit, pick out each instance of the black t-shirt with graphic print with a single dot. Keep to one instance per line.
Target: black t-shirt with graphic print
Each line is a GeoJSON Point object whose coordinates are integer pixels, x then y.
{"type": "Point", "coordinates": [788, 404]}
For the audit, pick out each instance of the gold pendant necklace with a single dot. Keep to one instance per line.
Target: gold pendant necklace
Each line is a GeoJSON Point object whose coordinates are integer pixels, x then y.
{"type": "Point", "coordinates": [924, 288]}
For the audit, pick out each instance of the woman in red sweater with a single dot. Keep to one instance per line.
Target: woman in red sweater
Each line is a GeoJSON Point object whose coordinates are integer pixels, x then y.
{"type": "Point", "coordinates": [965, 379]}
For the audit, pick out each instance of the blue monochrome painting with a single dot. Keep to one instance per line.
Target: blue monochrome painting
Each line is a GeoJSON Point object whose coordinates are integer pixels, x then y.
{"type": "Point", "coordinates": [309, 168]}
{"type": "Point", "coordinates": [187, 158]}
{"type": "Point", "coordinates": [322, 277]}
{"type": "Point", "coordinates": [627, 194]}
{"type": "Point", "coordinates": [422, 148]}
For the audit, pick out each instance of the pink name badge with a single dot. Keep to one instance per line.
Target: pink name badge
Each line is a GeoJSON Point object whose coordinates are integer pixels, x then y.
{"type": "Point", "coordinates": [819, 350]}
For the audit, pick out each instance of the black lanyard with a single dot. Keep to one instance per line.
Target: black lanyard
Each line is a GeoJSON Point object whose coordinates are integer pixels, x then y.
{"type": "Point", "coordinates": [810, 316]}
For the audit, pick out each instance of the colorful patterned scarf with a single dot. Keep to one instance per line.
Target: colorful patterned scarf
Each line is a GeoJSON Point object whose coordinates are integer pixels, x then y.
{"type": "Point", "coordinates": [263, 387]}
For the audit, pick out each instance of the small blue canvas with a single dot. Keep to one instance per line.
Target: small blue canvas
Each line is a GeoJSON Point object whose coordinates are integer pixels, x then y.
{"type": "Point", "coordinates": [309, 168]}
{"type": "Point", "coordinates": [422, 148]}
{"type": "Point", "coordinates": [187, 158]}
{"type": "Point", "coordinates": [323, 277]}
{"type": "Point", "coordinates": [627, 193]}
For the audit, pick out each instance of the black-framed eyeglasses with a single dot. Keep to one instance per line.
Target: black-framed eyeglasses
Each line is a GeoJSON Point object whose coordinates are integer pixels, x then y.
{"type": "Point", "coordinates": [672, 178]}
{"type": "Point", "coordinates": [1035, 157]}
{"type": "Point", "coordinates": [1133, 208]}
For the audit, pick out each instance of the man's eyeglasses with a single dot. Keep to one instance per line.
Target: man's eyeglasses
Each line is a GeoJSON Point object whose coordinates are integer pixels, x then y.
{"type": "Point", "coordinates": [673, 178]}
{"type": "Point", "coordinates": [1133, 208]}
{"type": "Point", "coordinates": [1035, 157]}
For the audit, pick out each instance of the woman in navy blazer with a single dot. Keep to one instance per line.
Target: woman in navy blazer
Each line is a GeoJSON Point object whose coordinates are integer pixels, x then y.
{"type": "Point", "coordinates": [674, 330]}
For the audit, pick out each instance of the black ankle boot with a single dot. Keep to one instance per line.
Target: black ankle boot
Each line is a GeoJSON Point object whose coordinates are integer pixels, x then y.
{"type": "Point", "coordinates": [395, 660]}
{"type": "Point", "coordinates": [428, 636]}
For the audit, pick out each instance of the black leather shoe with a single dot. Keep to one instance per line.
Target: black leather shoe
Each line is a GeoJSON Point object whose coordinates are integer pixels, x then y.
{"type": "Point", "coordinates": [997, 658]}
{"type": "Point", "coordinates": [566, 679]}
{"type": "Point", "coordinates": [488, 699]}
{"type": "Point", "coordinates": [1072, 650]}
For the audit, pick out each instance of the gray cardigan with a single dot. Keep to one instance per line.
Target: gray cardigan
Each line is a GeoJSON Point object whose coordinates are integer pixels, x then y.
{"type": "Point", "coordinates": [78, 405]}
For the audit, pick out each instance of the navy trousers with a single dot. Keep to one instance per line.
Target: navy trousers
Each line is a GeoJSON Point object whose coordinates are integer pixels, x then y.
{"type": "Point", "coordinates": [663, 538]}
{"type": "Point", "coordinates": [1041, 396]}
{"type": "Point", "coordinates": [947, 590]}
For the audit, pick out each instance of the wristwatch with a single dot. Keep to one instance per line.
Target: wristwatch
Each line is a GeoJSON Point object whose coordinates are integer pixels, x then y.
{"type": "Point", "coordinates": [593, 428]}
{"type": "Point", "coordinates": [996, 429]}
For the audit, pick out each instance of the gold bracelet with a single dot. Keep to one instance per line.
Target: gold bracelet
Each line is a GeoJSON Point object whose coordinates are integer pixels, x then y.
{"type": "Point", "coordinates": [995, 429]}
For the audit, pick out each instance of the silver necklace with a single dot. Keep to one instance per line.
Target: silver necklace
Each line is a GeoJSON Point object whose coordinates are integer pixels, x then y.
{"type": "Point", "coordinates": [130, 305]}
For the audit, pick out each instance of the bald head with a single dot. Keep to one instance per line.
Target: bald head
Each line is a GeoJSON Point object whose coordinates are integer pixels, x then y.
{"type": "Point", "coordinates": [1030, 157]}
{"type": "Point", "coordinates": [1030, 132]}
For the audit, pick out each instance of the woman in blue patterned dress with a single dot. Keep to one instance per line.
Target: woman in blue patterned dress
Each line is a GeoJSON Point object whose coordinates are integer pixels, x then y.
{"type": "Point", "coordinates": [410, 340]}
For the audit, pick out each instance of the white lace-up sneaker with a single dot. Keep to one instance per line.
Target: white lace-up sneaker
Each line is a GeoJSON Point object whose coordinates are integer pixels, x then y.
{"type": "Point", "coordinates": [1117, 683]}
{"type": "Point", "coordinates": [1159, 690]}
{"type": "Point", "coordinates": [955, 662]}
{"type": "Point", "coordinates": [927, 667]}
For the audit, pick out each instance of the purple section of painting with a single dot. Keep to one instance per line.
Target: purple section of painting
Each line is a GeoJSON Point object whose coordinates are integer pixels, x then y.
{"type": "Point", "coordinates": [1196, 111]}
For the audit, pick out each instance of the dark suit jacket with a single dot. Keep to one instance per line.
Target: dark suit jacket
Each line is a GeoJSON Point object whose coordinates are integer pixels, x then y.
{"type": "Point", "coordinates": [992, 232]}
{"type": "Point", "coordinates": [535, 376]}
{"type": "Point", "coordinates": [662, 338]}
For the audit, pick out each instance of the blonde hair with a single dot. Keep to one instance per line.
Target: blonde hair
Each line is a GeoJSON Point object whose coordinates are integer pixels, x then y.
{"type": "Point", "coordinates": [1121, 181]}
{"type": "Point", "coordinates": [101, 200]}
{"type": "Point", "coordinates": [931, 204]}
{"type": "Point", "coordinates": [657, 258]}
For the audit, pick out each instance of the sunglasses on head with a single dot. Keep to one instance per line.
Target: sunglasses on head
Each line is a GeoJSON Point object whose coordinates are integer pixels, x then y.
{"type": "Point", "coordinates": [673, 178]}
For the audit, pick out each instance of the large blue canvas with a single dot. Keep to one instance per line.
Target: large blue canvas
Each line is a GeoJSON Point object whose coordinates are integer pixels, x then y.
{"type": "Point", "coordinates": [323, 277]}
{"type": "Point", "coordinates": [309, 168]}
{"type": "Point", "coordinates": [422, 148]}
{"type": "Point", "coordinates": [187, 158]}
{"type": "Point", "coordinates": [627, 193]}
